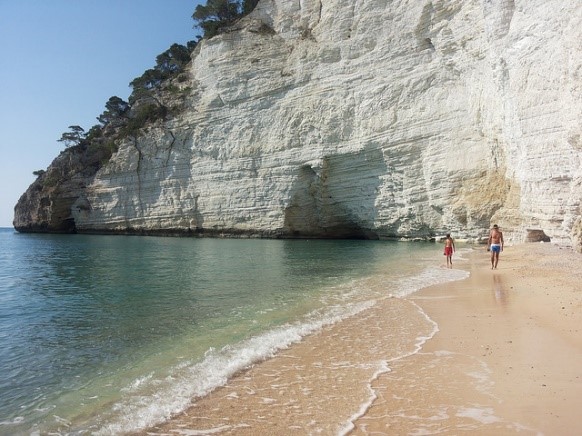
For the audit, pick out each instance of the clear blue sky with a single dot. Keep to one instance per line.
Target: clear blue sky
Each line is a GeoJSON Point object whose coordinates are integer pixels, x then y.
{"type": "Point", "coordinates": [61, 60]}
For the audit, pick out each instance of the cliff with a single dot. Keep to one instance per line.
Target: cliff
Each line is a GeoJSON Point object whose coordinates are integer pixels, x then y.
{"type": "Point", "coordinates": [340, 119]}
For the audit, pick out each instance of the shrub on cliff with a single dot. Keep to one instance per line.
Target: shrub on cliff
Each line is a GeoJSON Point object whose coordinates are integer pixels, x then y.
{"type": "Point", "coordinates": [154, 94]}
{"type": "Point", "coordinates": [143, 115]}
{"type": "Point", "coordinates": [73, 137]}
{"type": "Point", "coordinates": [169, 64]}
{"type": "Point", "coordinates": [216, 15]}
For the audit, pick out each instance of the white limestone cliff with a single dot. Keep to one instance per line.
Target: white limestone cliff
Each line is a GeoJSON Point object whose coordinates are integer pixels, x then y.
{"type": "Point", "coordinates": [368, 118]}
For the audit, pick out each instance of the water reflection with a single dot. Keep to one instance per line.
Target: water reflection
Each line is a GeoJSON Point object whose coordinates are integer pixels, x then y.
{"type": "Point", "coordinates": [499, 292]}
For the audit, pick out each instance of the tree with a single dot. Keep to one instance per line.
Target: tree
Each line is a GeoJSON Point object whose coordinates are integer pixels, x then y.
{"type": "Point", "coordinates": [95, 133]}
{"type": "Point", "coordinates": [115, 110]}
{"type": "Point", "coordinates": [150, 79]}
{"type": "Point", "coordinates": [215, 15]}
{"type": "Point", "coordinates": [218, 14]}
{"type": "Point", "coordinates": [174, 59]}
{"type": "Point", "coordinates": [168, 64]}
{"type": "Point", "coordinates": [74, 137]}
{"type": "Point", "coordinates": [191, 45]}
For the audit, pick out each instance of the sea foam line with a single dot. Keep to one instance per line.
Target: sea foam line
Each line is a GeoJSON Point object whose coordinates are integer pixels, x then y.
{"type": "Point", "coordinates": [407, 286]}
{"type": "Point", "coordinates": [175, 393]}
{"type": "Point", "coordinates": [191, 380]}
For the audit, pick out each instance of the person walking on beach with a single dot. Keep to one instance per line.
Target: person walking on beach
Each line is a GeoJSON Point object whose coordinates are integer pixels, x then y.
{"type": "Point", "coordinates": [449, 250]}
{"type": "Point", "coordinates": [495, 245]}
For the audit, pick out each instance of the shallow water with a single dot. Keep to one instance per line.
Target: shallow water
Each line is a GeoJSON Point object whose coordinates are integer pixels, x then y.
{"type": "Point", "coordinates": [112, 334]}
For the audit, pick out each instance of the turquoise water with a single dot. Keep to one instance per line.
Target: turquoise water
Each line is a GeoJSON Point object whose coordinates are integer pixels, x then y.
{"type": "Point", "coordinates": [109, 334]}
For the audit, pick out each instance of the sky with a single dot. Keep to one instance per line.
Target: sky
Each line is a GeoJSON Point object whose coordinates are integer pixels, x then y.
{"type": "Point", "coordinates": [60, 61]}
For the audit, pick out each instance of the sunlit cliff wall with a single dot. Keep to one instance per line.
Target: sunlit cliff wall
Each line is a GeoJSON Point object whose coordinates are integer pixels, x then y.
{"type": "Point", "coordinates": [365, 119]}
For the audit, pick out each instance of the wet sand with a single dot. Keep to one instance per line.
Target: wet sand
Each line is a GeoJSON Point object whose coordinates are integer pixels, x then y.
{"type": "Point", "coordinates": [498, 353]}
{"type": "Point", "coordinates": [507, 358]}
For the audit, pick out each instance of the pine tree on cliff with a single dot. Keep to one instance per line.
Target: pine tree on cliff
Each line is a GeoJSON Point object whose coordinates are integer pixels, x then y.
{"type": "Point", "coordinates": [216, 15]}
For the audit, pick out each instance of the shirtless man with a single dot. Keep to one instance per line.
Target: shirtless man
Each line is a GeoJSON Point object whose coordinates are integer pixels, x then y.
{"type": "Point", "coordinates": [449, 249]}
{"type": "Point", "coordinates": [495, 245]}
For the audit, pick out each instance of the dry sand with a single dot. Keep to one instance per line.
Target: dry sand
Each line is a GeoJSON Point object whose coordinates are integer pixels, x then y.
{"type": "Point", "coordinates": [507, 359]}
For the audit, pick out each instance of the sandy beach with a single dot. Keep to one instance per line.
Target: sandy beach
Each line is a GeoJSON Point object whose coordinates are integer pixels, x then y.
{"type": "Point", "coordinates": [497, 353]}
{"type": "Point", "coordinates": [507, 358]}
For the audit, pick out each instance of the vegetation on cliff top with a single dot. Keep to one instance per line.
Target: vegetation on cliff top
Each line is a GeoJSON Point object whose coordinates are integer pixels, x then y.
{"type": "Point", "coordinates": [154, 95]}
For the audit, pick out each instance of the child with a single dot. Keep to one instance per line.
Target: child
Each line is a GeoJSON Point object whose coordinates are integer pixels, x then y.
{"type": "Point", "coordinates": [449, 250]}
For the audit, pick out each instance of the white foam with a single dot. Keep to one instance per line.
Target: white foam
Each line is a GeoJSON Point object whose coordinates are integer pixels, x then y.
{"type": "Point", "coordinates": [483, 415]}
{"type": "Point", "coordinates": [148, 401]}
{"type": "Point", "coordinates": [429, 277]}
{"type": "Point", "coordinates": [407, 286]}
{"type": "Point", "coordinates": [138, 382]}
{"type": "Point", "coordinates": [349, 426]}
{"type": "Point", "coordinates": [208, 431]}
{"type": "Point", "coordinates": [14, 421]}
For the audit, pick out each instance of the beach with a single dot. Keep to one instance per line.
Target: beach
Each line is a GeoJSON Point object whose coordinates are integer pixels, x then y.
{"type": "Point", "coordinates": [496, 353]}
{"type": "Point", "coordinates": [507, 357]}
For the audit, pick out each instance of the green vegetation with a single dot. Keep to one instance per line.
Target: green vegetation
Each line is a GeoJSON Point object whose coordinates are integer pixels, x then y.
{"type": "Point", "coordinates": [74, 137]}
{"type": "Point", "coordinates": [217, 15]}
{"type": "Point", "coordinates": [153, 92]}
{"type": "Point", "coordinates": [115, 111]}
{"type": "Point", "coordinates": [122, 119]}
{"type": "Point", "coordinates": [168, 65]}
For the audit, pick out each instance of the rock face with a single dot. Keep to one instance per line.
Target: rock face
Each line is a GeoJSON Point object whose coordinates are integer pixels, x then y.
{"type": "Point", "coordinates": [369, 119]}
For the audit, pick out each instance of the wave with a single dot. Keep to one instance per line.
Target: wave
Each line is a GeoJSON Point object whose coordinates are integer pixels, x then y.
{"type": "Point", "coordinates": [149, 400]}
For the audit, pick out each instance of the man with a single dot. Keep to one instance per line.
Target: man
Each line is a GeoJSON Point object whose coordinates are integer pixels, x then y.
{"type": "Point", "coordinates": [449, 249]}
{"type": "Point", "coordinates": [495, 245]}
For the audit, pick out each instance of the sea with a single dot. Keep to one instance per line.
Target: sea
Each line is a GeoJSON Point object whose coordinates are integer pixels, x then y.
{"type": "Point", "coordinates": [112, 334]}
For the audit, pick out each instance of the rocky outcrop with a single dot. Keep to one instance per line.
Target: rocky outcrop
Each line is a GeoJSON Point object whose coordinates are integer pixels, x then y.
{"type": "Point", "coordinates": [46, 205]}
{"type": "Point", "coordinates": [320, 118]}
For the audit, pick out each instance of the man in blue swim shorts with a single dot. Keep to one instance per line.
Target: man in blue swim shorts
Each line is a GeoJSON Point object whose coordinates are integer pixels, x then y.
{"type": "Point", "coordinates": [495, 244]}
